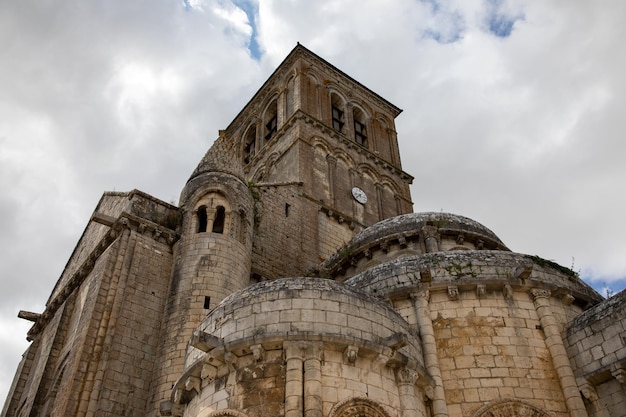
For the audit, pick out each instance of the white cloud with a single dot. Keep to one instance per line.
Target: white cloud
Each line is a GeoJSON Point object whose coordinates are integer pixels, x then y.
{"type": "Point", "coordinates": [523, 133]}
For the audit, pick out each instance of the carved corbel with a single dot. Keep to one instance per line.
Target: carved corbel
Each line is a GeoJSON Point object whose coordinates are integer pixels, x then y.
{"type": "Point", "coordinates": [619, 373]}
{"type": "Point", "coordinates": [481, 290]}
{"type": "Point", "coordinates": [231, 361]}
{"type": "Point", "coordinates": [257, 352]}
{"type": "Point", "coordinates": [453, 292]}
{"type": "Point", "coordinates": [568, 299]}
{"type": "Point", "coordinates": [204, 341]}
{"type": "Point", "coordinates": [178, 395]}
{"type": "Point", "coordinates": [193, 383]}
{"type": "Point", "coordinates": [350, 354]}
{"type": "Point", "coordinates": [507, 291]}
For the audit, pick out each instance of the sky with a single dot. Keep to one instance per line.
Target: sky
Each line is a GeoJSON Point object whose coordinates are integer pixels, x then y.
{"type": "Point", "coordinates": [514, 115]}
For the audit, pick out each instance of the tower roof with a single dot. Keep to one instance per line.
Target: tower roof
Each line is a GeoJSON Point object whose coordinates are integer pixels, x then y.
{"type": "Point", "coordinates": [221, 157]}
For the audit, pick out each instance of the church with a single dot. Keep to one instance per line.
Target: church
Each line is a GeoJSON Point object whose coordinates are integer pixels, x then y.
{"type": "Point", "coordinates": [293, 279]}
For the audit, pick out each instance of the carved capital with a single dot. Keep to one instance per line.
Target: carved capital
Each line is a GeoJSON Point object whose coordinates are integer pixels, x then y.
{"type": "Point", "coordinates": [421, 295]}
{"type": "Point", "coordinates": [315, 351]}
{"type": "Point", "coordinates": [293, 350]}
{"type": "Point", "coordinates": [537, 293]}
{"type": "Point", "coordinates": [406, 376]}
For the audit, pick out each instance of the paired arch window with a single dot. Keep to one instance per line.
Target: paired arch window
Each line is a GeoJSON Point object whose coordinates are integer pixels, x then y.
{"type": "Point", "coordinates": [268, 128]}
{"type": "Point", "coordinates": [219, 219]}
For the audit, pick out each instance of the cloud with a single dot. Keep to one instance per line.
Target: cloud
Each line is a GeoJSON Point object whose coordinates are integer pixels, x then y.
{"type": "Point", "coordinates": [512, 114]}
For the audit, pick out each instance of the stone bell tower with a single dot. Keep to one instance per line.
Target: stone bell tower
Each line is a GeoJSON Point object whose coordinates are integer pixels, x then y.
{"type": "Point", "coordinates": [322, 155]}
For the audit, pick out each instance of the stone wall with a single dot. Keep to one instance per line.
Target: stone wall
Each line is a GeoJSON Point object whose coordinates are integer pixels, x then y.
{"type": "Point", "coordinates": [596, 345]}
{"type": "Point", "coordinates": [276, 336]}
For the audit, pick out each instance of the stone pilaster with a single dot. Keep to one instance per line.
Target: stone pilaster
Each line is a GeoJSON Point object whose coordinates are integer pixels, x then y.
{"type": "Point", "coordinates": [293, 379]}
{"type": "Point", "coordinates": [405, 379]}
{"type": "Point", "coordinates": [313, 380]}
{"type": "Point", "coordinates": [554, 342]}
{"type": "Point", "coordinates": [429, 347]}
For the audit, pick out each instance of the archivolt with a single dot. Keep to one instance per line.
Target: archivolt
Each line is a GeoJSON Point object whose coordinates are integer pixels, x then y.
{"type": "Point", "coordinates": [226, 413]}
{"type": "Point", "coordinates": [358, 407]}
{"type": "Point", "coordinates": [510, 408]}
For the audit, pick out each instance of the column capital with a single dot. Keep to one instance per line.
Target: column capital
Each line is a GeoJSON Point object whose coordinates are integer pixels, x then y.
{"type": "Point", "coordinates": [293, 350]}
{"type": "Point", "coordinates": [423, 294]}
{"type": "Point", "coordinates": [537, 293]}
{"type": "Point", "coordinates": [406, 376]}
{"type": "Point", "coordinates": [314, 350]}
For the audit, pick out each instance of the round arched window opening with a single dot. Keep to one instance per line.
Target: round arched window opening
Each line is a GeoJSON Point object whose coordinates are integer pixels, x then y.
{"type": "Point", "coordinates": [220, 217]}
{"type": "Point", "coordinates": [358, 407]}
{"type": "Point", "coordinates": [202, 219]}
{"type": "Point", "coordinates": [509, 408]}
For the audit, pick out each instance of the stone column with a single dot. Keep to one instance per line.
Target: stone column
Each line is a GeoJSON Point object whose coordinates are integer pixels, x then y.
{"type": "Point", "coordinates": [429, 348]}
{"type": "Point", "coordinates": [554, 342]}
{"type": "Point", "coordinates": [405, 379]}
{"type": "Point", "coordinates": [313, 380]}
{"type": "Point", "coordinates": [431, 240]}
{"type": "Point", "coordinates": [293, 379]}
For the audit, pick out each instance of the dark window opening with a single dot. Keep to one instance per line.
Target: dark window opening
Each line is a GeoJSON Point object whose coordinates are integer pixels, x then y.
{"type": "Point", "coordinates": [249, 149]}
{"type": "Point", "coordinates": [271, 127]}
{"type": "Point", "coordinates": [359, 133]}
{"type": "Point", "coordinates": [337, 119]}
{"type": "Point", "coordinates": [218, 223]}
{"type": "Point", "coordinates": [287, 205]}
{"type": "Point", "coordinates": [207, 302]}
{"type": "Point", "coordinates": [202, 220]}
{"type": "Point", "coordinates": [249, 152]}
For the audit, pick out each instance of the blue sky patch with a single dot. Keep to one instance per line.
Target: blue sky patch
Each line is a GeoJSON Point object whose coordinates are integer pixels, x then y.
{"type": "Point", "coordinates": [498, 22]}
{"type": "Point", "coordinates": [252, 10]}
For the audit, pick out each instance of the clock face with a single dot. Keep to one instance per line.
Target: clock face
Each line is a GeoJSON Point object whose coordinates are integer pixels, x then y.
{"type": "Point", "coordinates": [359, 195]}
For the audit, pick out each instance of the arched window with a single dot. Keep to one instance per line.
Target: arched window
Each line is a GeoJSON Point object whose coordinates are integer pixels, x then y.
{"type": "Point", "coordinates": [360, 132]}
{"type": "Point", "coordinates": [338, 118]}
{"type": "Point", "coordinates": [509, 407]}
{"type": "Point", "coordinates": [249, 145]}
{"type": "Point", "coordinates": [358, 407]}
{"type": "Point", "coordinates": [271, 120]}
{"type": "Point", "coordinates": [202, 219]}
{"type": "Point", "coordinates": [220, 217]}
